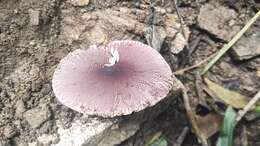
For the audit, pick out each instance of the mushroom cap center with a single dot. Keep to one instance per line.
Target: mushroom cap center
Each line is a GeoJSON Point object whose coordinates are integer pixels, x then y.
{"type": "Point", "coordinates": [120, 70]}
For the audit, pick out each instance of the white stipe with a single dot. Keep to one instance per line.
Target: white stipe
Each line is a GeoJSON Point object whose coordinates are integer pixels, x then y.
{"type": "Point", "coordinates": [114, 57]}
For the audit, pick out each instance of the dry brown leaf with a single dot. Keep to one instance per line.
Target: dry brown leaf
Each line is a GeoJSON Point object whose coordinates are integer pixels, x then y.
{"type": "Point", "coordinates": [209, 124]}
{"type": "Point", "coordinates": [232, 98]}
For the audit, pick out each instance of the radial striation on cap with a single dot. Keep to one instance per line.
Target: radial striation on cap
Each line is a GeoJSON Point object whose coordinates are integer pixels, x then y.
{"type": "Point", "coordinates": [86, 81]}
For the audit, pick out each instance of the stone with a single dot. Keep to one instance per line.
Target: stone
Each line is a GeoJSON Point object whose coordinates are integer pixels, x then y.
{"type": "Point", "coordinates": [80, 134]}
{"type": "Point", "coordinates": [178, 43]}
{"type": "Point", "coordinates": [79, 2]}
{"type": "Point", "coordinates": [93, 132]}
{"type": "Point", "coordinates": [247, 47]}
{"type": "Point", "coordinates": [37, 116]}
{"type": "Point", "coordinates": [218, 20]}
{"type": "Point", "coordinates": [34, 17]}
{"type": "Point", "coordinates": [19, 108]}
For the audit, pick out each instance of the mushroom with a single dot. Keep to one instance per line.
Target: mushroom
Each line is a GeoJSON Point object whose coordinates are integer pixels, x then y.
{"type": "Point", "coordinates": [118, 79]}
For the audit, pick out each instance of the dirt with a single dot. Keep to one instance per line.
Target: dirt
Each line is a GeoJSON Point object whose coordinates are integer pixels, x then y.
{"type": "Point", "coordinates": [35, 35]}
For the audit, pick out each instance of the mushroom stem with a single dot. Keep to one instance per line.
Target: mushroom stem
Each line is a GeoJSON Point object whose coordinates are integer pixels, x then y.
{"type": "Point", "coordinates": [114, 57]}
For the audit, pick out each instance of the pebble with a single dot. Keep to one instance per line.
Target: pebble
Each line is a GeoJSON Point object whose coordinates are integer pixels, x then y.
{"type": "Point", "coordinates": [247, 47]}
{"type": "Point", "coordinates": [37, 116]}
{"type": "Point", "coordinates": [19, 108]}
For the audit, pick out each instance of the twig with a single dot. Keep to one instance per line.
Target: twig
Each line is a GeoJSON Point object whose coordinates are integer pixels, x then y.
{"type": "Point", "coordinates": [190, 114]}
{"type": "Point", "coordinates": [226, 47]}
{"type": "Point", "coordinates": [194, 44]}
{"type": "Point", "coordinates": [181, 22]}
{"type": "Point", "coordinates": [182, 136]}
{"type": "Point", "coordinates": [248, 107]}
{"type": "Point", "coordinates": [199, 90]}
{"type": "Point", "coordinates": [181, 71]}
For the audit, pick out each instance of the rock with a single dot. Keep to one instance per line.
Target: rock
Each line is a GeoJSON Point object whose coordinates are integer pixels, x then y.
{"type": "Point", "coordinates": [175, 37]}
{"type": "Point", "coordinates": [36, 116]}
{"type": "Point", "coordinates": [247, 47]}
{"type": "Point", "coordinates": [218, 20]}
{"type": "Point", "coordinates": [34, 17]}
{"type": "Point", "coordinates": [80, 134]}
{"type": "Point", "coordinates": [19, 108]}
{"type": "Point", "coordinates": [179, 42]}
{"type": "Point", "coordinates": [93, 132]}
{"type": "Point", "coordinates": [79, 2]}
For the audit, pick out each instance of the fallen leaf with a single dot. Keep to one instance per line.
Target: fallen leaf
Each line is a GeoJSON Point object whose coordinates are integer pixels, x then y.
{"type": "Point", "coordinates": [232, 98]}
{"type": "Point", "coordinates": [209, 124]}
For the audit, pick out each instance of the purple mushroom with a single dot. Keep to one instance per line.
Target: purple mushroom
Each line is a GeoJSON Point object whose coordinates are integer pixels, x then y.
{"type": "Point", "coordinates": [118, 79]}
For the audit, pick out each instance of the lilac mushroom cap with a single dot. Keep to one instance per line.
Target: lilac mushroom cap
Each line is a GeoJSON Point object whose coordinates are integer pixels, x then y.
{"type": "Point", "coordinates": [121, 78]}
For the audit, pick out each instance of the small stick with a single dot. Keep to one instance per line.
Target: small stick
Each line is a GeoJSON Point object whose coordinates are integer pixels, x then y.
{"type": "Point", "coordinates": [248, 107]}
{"type": "Point", "coordinates": [190, 114]}
{"type": "Point", "coordinates": [182, 136]}
{"type": "Point", "coordinates": [181, 71]}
